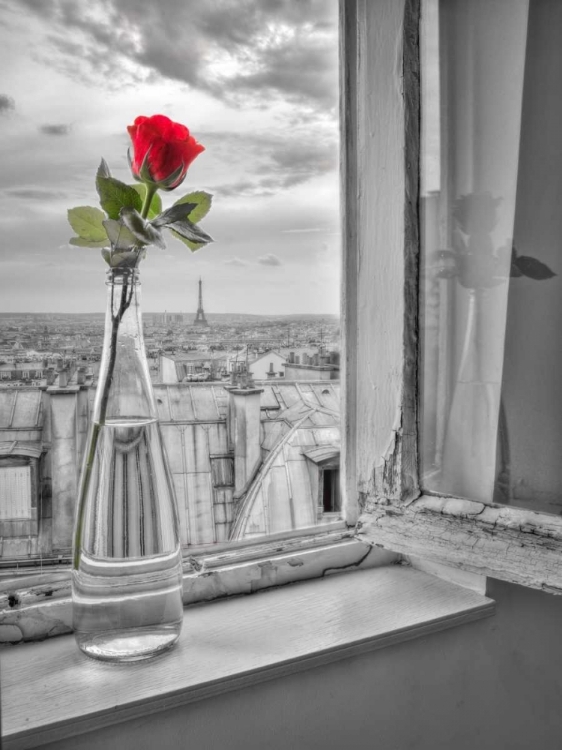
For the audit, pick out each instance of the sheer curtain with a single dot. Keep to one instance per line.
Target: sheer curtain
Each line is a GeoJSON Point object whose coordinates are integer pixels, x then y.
{"type": "Point", "coordinates": [473, 65]}
{"type": "Point", "coordinates": [530, 448]}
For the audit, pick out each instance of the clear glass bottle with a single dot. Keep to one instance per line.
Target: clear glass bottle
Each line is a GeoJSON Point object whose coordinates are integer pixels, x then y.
{"type": "Point", "coordinates": [127, 571]}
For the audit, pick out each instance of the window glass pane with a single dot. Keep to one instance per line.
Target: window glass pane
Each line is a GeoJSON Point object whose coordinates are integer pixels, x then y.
{"type": "Point", "coordinates": [15, 492]}
{"type": "Point", "coordinates": [492, 232]}
{"type": "Point", "coordinates": [257, 85]}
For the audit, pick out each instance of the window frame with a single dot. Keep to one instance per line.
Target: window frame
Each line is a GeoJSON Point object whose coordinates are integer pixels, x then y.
{"type": "Point", "coordinates": [385, 513]}
{"type": "Point", "coordinates": [381, 152]}
{"type": "Point", "coordinates": [43, 607]}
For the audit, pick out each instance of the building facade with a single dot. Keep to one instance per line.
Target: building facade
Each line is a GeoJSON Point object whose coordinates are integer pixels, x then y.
{"type": "Point", "coordinates": [246, 460]}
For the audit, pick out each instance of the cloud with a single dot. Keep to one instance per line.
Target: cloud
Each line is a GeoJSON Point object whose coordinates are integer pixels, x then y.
{"type": "Point", "coordinates": [269, 260]}
{"type": "Point", "coordinates": [233, 49]}
{"type": "Point", "coordinates": [272, 162]}
{"type": "Point", "coordinates": [303, 73]}
{"type": "Point", "coordinates": [278, 156]}
{"type": "Point", "coordinates": [235, 262]}
{"type": "Point", "coordinates": [55, 129]}
{"type": "Point", "coordinates": [240, 189]}
{"type": "Point", "coordinates": [35, 194]}
{"type": "Point", "coordinates": [7, 104]}
{"type": "Point", "coordinates": [305, 159]}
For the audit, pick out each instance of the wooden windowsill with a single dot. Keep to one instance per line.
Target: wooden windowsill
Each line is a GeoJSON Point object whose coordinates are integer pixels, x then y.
{"type": "Point", "coordinates": [50, 691]}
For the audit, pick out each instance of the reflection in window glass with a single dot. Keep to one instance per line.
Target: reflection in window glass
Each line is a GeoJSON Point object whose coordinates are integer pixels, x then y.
{"type": "Point", "coordinates": [492, 232]}
{"type": "Point", "coordinates": [257, 84]}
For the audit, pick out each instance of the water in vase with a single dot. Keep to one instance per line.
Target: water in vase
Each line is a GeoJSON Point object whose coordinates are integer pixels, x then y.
{"type": "Point", "coordinates": [127, 573]}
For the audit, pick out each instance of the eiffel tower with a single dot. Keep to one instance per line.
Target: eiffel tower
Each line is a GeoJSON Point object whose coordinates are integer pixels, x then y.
{"type": "Point", "coordinates": [200, 319]}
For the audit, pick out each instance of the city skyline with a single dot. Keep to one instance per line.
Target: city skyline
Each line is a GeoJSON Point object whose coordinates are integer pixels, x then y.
{"type": "Point", "coordinates": [188, 310]}
{"type": "Point", "coordinates": [257, 87]}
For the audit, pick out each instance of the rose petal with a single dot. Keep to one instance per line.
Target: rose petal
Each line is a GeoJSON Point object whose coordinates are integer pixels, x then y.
{"type": "Point", "coordinates": [170, 148]}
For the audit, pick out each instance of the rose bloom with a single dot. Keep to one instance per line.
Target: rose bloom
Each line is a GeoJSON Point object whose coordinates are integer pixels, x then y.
{"type": "Point", "coordinates": [162, 151]}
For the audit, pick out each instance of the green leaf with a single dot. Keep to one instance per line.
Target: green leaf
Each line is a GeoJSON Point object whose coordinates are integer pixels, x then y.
{"type": "Point", "coordinates": [190, 232]}
{"type": "Point", "coordinates": [142, 229]}
{"type": "Point", "coordinates": [202, 202]}
{"type": "Point", "coordinates": [103, 170]}
{"type": "Point", "coordinates": [115, 195]}
{"type": "Point", "coordinates": [155, 203]}
{"type": "Point", "coordinates": [120, 237]}
{"type": "Point", "coordinates": [178, 212]}
{"type": "Point", "coordinates": [87, 223]}
{"type": "Point", "coordinates": [81, 242]}
{"type": "Point", "coordinates": [193, 246]}
{"type": "Point", "coordinates": [124, 260]}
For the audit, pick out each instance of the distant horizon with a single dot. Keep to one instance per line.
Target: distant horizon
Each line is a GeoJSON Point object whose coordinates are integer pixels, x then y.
{"type": "Point", "coordinates": [177, 312]}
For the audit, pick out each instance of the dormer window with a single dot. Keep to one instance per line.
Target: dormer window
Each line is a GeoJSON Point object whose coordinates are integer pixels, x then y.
{"type": "Point", "coordinates": [324, 461]}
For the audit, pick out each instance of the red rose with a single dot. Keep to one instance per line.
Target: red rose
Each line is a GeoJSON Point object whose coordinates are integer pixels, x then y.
{"type": "Point", "coordinates": [162, 151]}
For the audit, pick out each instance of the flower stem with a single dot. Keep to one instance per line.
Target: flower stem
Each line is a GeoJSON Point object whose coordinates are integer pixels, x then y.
{"type": "Point", "coordinates": [115, 321]}
{"type": "Point", "coordinates": [126, 297]}
{"type": "Point", "coordinates": [150, 193]}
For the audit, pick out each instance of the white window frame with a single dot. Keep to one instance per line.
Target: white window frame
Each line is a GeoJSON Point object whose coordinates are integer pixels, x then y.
{"type": "Point", "coordinates": [381, 150]}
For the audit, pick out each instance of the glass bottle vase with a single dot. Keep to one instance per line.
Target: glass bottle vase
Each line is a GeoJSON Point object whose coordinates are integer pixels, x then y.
{"type": "Point", "coordinates": [127, 571]}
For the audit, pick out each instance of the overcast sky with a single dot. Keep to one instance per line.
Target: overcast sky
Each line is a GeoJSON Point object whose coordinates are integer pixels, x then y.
{"type": "Point", "coordinates": [256, 83]}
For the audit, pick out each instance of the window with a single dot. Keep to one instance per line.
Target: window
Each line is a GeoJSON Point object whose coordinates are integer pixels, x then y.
{"type": "Point", "coordinates": [379, 439]}
{"type": "Point", "coordinates": [380, 442]}
{"type": "Point", "coordinates": [331, 501]}
{"type": "Point", "coordinates": [20, 506]}
{"type": "Point", "coordinates": [15, 492]}
{"type": "Point", "coordinates": [296, 147]}
{"type": "Point", "coordinates": [263, 100]}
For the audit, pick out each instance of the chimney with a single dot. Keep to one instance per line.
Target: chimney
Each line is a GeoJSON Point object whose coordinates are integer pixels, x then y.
{"type": "Point", "coordinates": [243, 427]}
{"type": "Point", "coordinates": [62, 373]}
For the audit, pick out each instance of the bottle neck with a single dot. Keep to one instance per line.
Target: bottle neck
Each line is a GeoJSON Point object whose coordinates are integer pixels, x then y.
{"type": "Point", "coordinates": [123, 311]}
{"type": "Point", "coordinates": [124, 388]}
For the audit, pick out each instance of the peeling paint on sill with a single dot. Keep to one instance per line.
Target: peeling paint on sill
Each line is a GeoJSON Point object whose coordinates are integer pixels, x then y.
{"type": "Point", "coordinates": [35, 620]}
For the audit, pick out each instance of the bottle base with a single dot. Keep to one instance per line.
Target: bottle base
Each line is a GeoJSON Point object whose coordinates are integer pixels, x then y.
{"type": "Point", "coordinates": [136, 644]}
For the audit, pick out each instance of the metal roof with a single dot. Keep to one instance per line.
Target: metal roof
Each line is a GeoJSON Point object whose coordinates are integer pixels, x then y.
{"type": "Point", "coordinates": [297, 418]}
{"type": "Point", "coordinates": [283, 496]}
{"type": "Point", "coordinates": [204, 402]}
{"type": "Point", "coordinates": [21, 448]}
{"type": "Point", "coordinates": [322, 453]}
